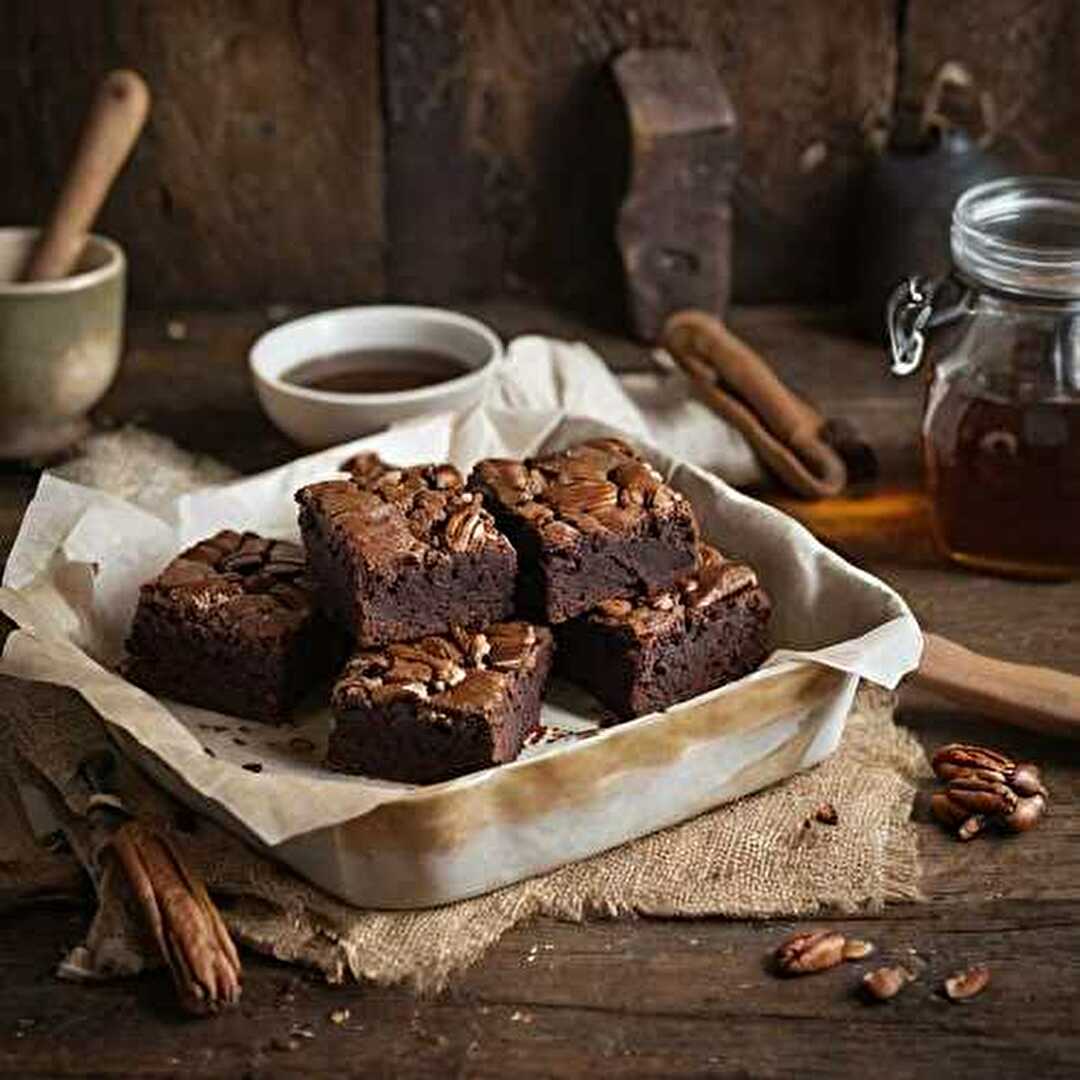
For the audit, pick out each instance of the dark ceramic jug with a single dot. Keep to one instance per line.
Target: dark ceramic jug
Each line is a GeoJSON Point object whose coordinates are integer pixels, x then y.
{"type": "Point", "coordinates": [933, 153]}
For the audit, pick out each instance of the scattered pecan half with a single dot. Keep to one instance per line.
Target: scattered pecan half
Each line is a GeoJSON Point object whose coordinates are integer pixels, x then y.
{"type": "Point", "coordinates": [985, 786]}
{"type": "Point", "coordinates": [975, 795]}
{"type": "Point", "coordinates": [817, 950]}
{"type": "Point", "coordinates": [886, 982]}
{"type": "Point", "coordinates": [180, 917]}
{"type": "Point", "coordinates": [952, 758]}
{"type": "Point", "coordinates": [967, 983]}
{"type": "Point", "coordinates": [1028, 813]}
{"type": "Point", "coordinates": [961, 760]}
{"type": "Point", "coordinates": [808, 952]}
{"type": "Point", "coordinates": [854, 949]}
{"type": "Point", "coordinates": [1025, 780]}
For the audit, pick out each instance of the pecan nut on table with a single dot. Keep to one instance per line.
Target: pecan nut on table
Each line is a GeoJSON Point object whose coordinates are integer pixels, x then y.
{"type": "Point", "coordinates": [984, 786]}
{"type": "Point", "coordinates": [817, 950]}
{"type": "Point", "coordinates": [884, 983]}
{"type": "Point", "coordinates": [966, 984]}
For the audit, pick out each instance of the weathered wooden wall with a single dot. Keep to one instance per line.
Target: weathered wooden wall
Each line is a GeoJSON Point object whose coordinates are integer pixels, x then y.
{"type": "Point", "coordinates": [1025, 53]}
{"type": "Point", "coordinates": [330, 150]}
{"type": "Point", "coordinates": [505, 92]}
{"type": "Point", "coordinates": [260, 175]}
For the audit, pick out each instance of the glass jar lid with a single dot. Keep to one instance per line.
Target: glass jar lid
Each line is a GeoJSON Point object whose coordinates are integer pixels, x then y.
{"type": "Point", "coordinates": [1021, 235]}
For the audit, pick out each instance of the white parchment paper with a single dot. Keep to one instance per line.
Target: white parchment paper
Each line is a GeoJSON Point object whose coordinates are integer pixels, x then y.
{"type": "Point", "coordinates": [72, 581]}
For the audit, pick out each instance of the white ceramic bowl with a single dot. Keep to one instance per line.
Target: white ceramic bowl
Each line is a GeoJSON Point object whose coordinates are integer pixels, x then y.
{"type": "Point", "coordinates": [319, 418]}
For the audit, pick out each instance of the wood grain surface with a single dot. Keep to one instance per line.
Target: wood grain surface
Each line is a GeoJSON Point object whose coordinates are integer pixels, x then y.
{"type": "Point", "coordinates": [637, 997]}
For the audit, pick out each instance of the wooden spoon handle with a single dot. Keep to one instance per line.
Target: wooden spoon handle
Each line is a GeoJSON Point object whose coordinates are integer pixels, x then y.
{"type": "Point", "coordinates": [744, 371]}
{"type": "Point", "coordinates": [739, 384]}
{"type": "Point", "coordinates": [108, 135]}
{"type": "Point", "coordinates": [1037, 698]}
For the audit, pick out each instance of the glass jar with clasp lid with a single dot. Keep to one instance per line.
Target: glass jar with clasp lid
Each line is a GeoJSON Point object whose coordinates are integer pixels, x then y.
{"type": "Point", "coordinates": [1000, 337]}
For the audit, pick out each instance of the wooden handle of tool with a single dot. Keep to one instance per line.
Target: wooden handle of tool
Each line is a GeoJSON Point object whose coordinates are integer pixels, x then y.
{"type": "Point", "coordinates": [746, 372]}
{"type": "Point", "coordinates": [776, 455]}
{"type": "Point", "coordinates": [739, 384]}
{"type": "Point", "coordinates": [108, 135]}
{"type": "Point", "coordinates": [1037, 698]}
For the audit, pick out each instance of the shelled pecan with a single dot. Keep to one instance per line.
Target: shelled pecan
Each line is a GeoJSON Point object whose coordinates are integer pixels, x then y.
{"type": "Point", "coordinates": [965, 984]}
{"type": "Point", "coordinates": [854, 949]}
{"type": "Point", "coordinates": [884, 983]}
{"type": "Point", "coordinates": [985, 786]}
{"type": "Point", "coordinates": [181, 918]}
{"type": "Point", "coordinates": [817, 950]}
{"type": "Point", "coordinates": [961, 760]}
{"type": "Point", "coordinates": [1027, 815]}
{"type": "Point", "coordinates": [808, 952]}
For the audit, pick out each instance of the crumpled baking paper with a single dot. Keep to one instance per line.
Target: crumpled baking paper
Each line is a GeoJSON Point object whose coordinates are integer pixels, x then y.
{"type": "Point", "coordinates": [72, 581]}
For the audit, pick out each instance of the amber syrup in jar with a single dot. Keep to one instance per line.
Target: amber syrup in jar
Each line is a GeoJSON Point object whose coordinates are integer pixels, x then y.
{"type": "Point", "coordinates": [1004, 479]}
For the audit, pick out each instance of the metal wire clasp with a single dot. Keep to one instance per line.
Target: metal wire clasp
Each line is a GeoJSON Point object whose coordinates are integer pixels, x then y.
{"type": "Point", "coordinates": [908, 313]}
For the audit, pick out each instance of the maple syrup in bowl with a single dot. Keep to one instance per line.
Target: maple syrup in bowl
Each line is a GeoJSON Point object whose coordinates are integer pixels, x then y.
{"type": "Point", "coordinates": [1001, 427]}
{"type": "Point", "coordinates": [386, 370]}
{"type": "Point", "coordinates": [337, 375]}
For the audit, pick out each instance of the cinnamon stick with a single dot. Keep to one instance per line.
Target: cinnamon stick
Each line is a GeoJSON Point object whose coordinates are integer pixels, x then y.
{"type": "Point", "coordinates": [181, 917]}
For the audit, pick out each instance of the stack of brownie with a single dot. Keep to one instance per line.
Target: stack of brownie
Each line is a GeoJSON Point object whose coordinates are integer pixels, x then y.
{"type": "Point", "coordinates": [448, 599]}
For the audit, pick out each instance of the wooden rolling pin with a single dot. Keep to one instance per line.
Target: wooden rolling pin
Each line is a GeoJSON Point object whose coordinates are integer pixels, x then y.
{"type": "Point", "coordinates": [1037, 698]}
{"type": "Point", "coordinates": [108, 135]}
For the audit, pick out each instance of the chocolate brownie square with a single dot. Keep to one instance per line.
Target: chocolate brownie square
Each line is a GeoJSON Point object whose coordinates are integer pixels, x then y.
{"type": "Point", "coordinates": [442, 706]}
{"type": "Point", "coordinates": [591, 523]}
{"type": "Point", "coordinates": [231, 625]}
{"type": "Point", "coordinates": [401, 553]}
{"type": "Point", "coordinates": [641, 655]}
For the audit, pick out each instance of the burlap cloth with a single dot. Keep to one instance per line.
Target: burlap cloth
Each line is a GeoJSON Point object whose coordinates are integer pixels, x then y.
{"type": "Point", "coordinates": [763, 856]}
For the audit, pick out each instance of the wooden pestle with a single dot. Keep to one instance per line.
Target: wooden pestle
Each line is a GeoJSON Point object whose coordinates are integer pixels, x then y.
{"type": "Point", "coordinates": [108, 135]}
{"type": "Point", "coordinates": [1037, 698]}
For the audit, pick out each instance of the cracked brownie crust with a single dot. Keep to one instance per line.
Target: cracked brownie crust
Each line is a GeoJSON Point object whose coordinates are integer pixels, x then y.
{"type": "Point", "coordinates": [442, 706]}
{"type": "Point", "coordinates": [589, 523]}
{"type": "Point", "coordinates": [231, 624]}
{"type": "Point", "coordinates": [641, 655]}
{"type": "Point", "coordinates": [400, 553]}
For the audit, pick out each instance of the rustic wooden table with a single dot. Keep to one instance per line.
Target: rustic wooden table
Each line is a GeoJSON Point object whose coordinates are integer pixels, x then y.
{"type": "Point", "coordinates": [658, 998]}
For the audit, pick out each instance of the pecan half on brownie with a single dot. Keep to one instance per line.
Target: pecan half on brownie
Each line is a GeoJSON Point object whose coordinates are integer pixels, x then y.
{"type": "Point", "coordinates": [400, 553]}
{"type": "Point", "coordinates": [590, 523]}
